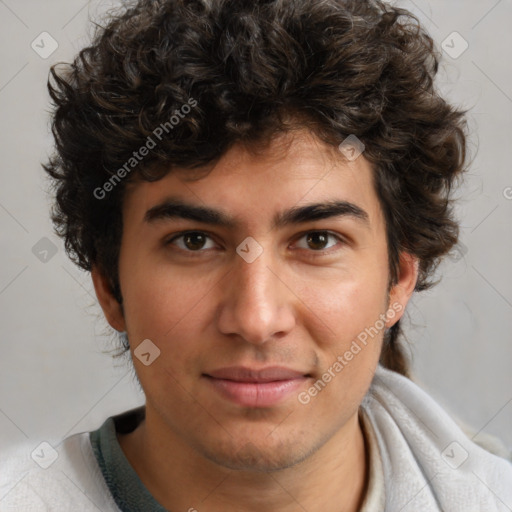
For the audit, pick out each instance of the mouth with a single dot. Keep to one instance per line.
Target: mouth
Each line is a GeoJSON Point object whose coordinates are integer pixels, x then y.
{"type": "Point", "coordinates": [249, 387]}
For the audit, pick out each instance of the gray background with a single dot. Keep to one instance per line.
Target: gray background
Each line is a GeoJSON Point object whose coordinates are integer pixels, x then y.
{"type": "Point", "coordinates": [56, 375]}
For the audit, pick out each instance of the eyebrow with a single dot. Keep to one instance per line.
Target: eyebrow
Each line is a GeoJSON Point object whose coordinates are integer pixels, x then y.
{"type": "Point", "coordinates": [172, 208]}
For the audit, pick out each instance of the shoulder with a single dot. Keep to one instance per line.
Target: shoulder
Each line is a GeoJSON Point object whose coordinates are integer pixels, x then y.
{"type": "Point", "coordinates": [423, 448]}
{"type": "Point", "coordinates": [43, 477]}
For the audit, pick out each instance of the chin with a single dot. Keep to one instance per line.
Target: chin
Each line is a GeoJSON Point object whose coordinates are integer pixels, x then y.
{"type": "Point", "coordinates": [261, 457]}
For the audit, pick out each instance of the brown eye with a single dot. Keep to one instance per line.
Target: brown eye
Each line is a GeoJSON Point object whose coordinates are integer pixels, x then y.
{"type": "Point", "coordinates": [192, 241]}
{"type": "Point", "coordinates": [317, 241]}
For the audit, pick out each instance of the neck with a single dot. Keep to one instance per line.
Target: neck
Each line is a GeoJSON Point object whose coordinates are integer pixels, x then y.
{"type": "Point", "coordinates": [334, 478]}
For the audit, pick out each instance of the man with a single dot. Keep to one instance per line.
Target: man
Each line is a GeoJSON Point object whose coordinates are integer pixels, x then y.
{"type": "Point", "coordinates": [258, 188]}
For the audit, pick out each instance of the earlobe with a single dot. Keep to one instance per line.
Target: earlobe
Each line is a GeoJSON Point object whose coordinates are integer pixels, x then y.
{"type": "Point", "coordinates": [111, 308]}
{"type": "Point", "coordinates": [402, 291]}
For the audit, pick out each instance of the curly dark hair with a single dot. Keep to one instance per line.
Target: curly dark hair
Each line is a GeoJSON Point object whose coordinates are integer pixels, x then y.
{"type": "Point", "coordinates": [255, 68]}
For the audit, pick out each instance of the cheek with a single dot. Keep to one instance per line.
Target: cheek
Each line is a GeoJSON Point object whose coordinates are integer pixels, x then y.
{"type": "Point", "coordinates": [176, 313]}
{"type": "Point", "coordinates": [356, 325]}
{"type": "Point", "coordinates": [348, 350]}
{"type": "Point", "coordinates": [342, 305]}
{"type": "Point", "coordinates": [167, 310]}
{"type": "Point", "coordinates": [161, 300]}
{"type": "Point", "coordinates": [346, 322]}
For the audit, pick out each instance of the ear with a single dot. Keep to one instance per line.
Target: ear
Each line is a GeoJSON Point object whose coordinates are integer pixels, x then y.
{"type": "Point", "coordinates": [402, 291]}
{"type": "Point", "coordinates": [111, 308]}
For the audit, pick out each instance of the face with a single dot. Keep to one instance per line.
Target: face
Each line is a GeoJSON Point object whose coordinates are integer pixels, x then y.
{"type": "Point", "coordinates": [268, 316]}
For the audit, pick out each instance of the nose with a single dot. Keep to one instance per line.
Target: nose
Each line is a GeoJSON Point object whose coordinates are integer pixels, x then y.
{"type": "Point", "coordinates": [256, 303]}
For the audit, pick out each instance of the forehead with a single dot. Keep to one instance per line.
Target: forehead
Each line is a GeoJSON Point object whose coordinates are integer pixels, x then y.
{"type": "Point", "coordinates": [252, 184]}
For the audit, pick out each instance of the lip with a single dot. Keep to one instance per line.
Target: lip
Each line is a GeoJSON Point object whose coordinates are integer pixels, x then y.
{"type": "Point", "coordinates": [250, 387]}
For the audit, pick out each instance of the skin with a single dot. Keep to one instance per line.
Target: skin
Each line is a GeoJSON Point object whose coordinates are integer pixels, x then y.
{"type": "Point", "coordinates": [300, 305]}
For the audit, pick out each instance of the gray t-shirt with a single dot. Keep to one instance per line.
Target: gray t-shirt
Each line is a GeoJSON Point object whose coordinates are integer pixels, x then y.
{"type": "Point", "coordinates": [126, 488]}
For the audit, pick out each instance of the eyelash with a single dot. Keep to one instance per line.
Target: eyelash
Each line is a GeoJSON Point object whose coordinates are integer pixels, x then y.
{"type": "Point", "coordinates": [314, 254]}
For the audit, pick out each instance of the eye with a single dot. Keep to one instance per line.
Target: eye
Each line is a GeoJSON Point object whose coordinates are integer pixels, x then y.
{"type": "Point", "coordinates": [192, 241]}
{"type": "Point", "coordinates": [197, 241]}
{"type": "Point", "coordinates": [318, 240]}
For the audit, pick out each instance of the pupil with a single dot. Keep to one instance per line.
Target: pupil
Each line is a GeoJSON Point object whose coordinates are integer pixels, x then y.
{"type": "Point", "coordinates": [321, 236]}
{"type": "Point", "coordinates": [192, 236]}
